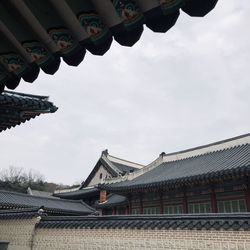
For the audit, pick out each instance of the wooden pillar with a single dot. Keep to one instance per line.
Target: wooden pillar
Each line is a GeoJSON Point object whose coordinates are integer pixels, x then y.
{"type": "Point", "coordinates": [213, 201]}
{"type": "Point", "coordinates": [114, 211]}
{"type": "Point", "coordinates": [247, 195]}
{"type": "Point", "coordinates": [141, 203]}
{"type": "Point", "coordinates": [185, 203]}
{"type": "Point", "coordinates": [129, 204]}
{"type": "Point", "coordinates": [161, 203]}
{"type": "Point", "coordinates": [127, 210]}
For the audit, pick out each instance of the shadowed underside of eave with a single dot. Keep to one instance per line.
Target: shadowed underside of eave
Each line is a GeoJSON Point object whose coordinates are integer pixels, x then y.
{"type": "Point", "coordinates": [17, 108]}
{"type": "Point", "coordinates": [37, 34]}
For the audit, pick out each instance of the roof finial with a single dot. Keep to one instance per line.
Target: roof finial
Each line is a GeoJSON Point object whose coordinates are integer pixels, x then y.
{"type": "Point", "coordinates": [105, 152]}
{"type": "Point", "coordinates": [162, 154]}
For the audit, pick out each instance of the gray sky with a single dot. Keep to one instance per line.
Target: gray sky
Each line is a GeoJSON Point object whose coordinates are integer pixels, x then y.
{"type": "Point", "coordinates": [169, 92]}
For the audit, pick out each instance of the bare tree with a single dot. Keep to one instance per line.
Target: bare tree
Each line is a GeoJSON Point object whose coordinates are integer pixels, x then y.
{"type": "Point", "coordinates": [17, 179]}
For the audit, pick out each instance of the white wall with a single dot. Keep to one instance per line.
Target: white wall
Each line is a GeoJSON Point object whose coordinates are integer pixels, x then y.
{"type": "Point", "coordinates": [96, 179]}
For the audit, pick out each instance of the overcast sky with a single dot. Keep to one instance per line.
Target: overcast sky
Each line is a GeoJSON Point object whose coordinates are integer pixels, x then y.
{"type": "Point", "coordinates": [169, 92]}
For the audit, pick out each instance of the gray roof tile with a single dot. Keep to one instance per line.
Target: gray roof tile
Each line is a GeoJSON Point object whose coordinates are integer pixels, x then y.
{"type": "Point", "coordinates": [192, 222]}
{"type": "Point", "coordinates": [207, 165]}
{"type": "Point", "coordinates": [12, 199]}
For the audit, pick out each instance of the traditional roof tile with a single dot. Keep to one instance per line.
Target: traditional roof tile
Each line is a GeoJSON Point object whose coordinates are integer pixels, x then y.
{"type": "Point", "coordinates": [223, 159]}
{"type": "Point", "coordinates": [51, 205]}
{"type": "Point", "coordinates": [114, 166]}
{"type": "Point", "coordinates": [17, 108]}
{"type": "Point", "coordinates": [112, 200]}
{"type": "Point", "coordinates": [18, 214]}
{"type": "Point", "coordinates": [233, 222]}
{"type": "Point", "coordinates": [79, 194]}
{"type": "Point", "coordinates": [66, 29]}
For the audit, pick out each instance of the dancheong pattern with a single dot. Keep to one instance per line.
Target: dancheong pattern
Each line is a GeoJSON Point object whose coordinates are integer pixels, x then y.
{"type": "Point", "coordinates": [93, 24]}
{"type": "Point", "coordinates": [63, 39]}
{"type": "Point", "coordinates": [128, 10]}
{"type": "Point", "coordinates": [13, 63]}
{"type": "Point", "coordinates": [37, 52]}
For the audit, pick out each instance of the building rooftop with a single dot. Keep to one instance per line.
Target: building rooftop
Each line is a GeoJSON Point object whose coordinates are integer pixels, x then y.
{"type": "Point", "coordinates": [115, 166]}
{"type": "Point", "coordinates": [17, 108]}
{"type": "Point", "coordinates": [112, 200]}
{"type": "Point", "coordinates": [68, 30]}
{"type": "Point", "coordinates": [228, 158]}
{"type": "Point", "coordinates": [39, 193]}
{"type": "Point", "coordinates": [23, 213]}
{"type": "Point", "coordinates": [79, 194]}
{"type": "Point", "coordinates": [51, 205]}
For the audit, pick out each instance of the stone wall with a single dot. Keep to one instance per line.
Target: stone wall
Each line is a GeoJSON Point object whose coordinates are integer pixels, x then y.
{"type": "Point", "coordinates": [93, 239]}
{"type": "Point", "coordinates": [22, 235]}
{"type": "Point", "coordinates": [19, 233]}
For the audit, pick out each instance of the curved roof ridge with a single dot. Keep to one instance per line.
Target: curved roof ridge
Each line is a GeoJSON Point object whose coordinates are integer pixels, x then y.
{"type": "Point", "coordinates": [119, 160]}
{"type": "Point", "coordinates": [207, 148]}
{"type": "Point", "coordinates": [105, 158]}
{"type": "Point", "coordinates": [39, 197]}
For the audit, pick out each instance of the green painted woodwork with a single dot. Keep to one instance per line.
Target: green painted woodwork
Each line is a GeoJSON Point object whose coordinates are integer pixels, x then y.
{"type": "Point", "coordinates": [199, 208]}
{"type": "Point", "coordinates": [232, 206]}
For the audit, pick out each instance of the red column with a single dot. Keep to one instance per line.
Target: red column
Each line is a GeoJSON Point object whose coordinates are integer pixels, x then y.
{"type": "Point", "coordinates": [213, 201]}
{"type": "Point", "coordinates": [247, 195]}
{"type": "Point", "coordinates": [161, 203]}
{"type": "Point", "coordinates": [185, 203]}
{"type": "Point", "coordinates": [129, 204]}
{"type": "Point", "coordinates": [141, 203]}
{"type": "Point", "coordinates": [114, 211]}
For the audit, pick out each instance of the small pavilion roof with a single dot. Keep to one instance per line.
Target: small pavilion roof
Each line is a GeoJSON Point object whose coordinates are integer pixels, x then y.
{"type": "Point", "coordinates": [115, 166]}
{"type": "Point", "coordinates": [221, 160]}
{"type": "Point", "coordinates": [17, 108]}
{"type": "Point", "coordinates": [13, 200]}
{"type": "Point", "coordinates": [38, 34]}
{"type": "Point", "coordinates": [112, 201]}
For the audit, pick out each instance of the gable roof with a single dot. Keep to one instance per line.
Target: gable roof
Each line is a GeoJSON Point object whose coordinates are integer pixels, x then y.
{"type": "Point", "coordinates": [66, 29]}
{"type": "Point", "coordinates": [17, 108]}
{"type": "Point", "coordinates": [222, 159]}
{"type": "Point", "coordinates": [18, 200]}
{"type": "Point", "coordinates": [114, 166]}
{"type": "Point", "coordinates": [124, 166]}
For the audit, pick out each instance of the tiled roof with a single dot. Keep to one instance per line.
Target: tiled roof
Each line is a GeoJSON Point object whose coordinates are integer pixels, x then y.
{"type": "Point", "coordinates": [224, 163]}
{"type": "Point", "coordinates": [115, 167]}
{"type": "Point", "coordinates": [78, 194]}
{"type": "Point", "coordinates": [161, 222]}
{"type": "Point", "coordinates": [39, 193]}
{"type": "Point", "coordinates": [18, 214]}
{"type": "Point", "coordinates": [124, 168]}
{"type": "Point", "coordinates": [51, 30]}
{"type": "Point", "coordinates": [18, 200]}
{"type": "Point", "coordinates": [112, 200]}
{"type": "Point", "coordinates": [17, 108]}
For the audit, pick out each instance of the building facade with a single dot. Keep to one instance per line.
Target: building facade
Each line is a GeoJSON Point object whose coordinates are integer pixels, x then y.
{"type": "Point", "coordinates": [209, 179]}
